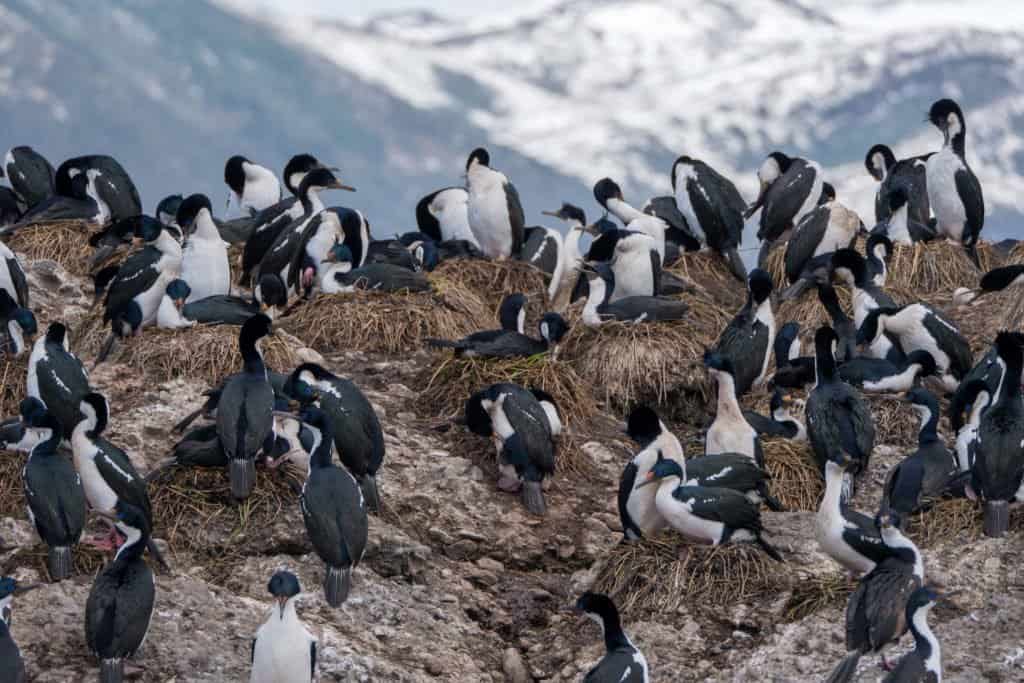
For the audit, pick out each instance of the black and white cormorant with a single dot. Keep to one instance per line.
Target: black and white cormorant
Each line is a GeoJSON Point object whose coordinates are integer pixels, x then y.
{"type": "Point", "coordinates": [975, 398]}
{"type": "Point", "coordinates": [844, 328]}
{"type": "Point", "coordinates": [998, 468]}
{"type": "Point", "coordinates": [245, 420]}
{"type": "Point", "coordinates": [953, 190]}
{"type": "Point", "coordinates": [634, 260]}
{"type": "Point", "coordinates": [526, 449]}
{"type": "Point", "coordinates": [876, 610]}
{"type": "Point", "coordinates": [820, 233]}
{"type": "Point", "coordinates": [779, 422]}
{"type": "Point", "coordinates": [109, 185]}
{"type": "Point", "coordinates": [878, 250]}
{"type": "Point", "coordinates": [254, 187]}
{"type": "Point", "coordinates": [78, 204]}
{"type": "Point", "coordinates": [713, 208]}
{"type": "Point", "coordinates": [920, 327]}
{"type": "Point", "coordinates": [704, 513]}
{"type": "Point", "coordinates": [924, 475]}
{"type": "Point", "coordinates": [493, 208]}
{"type": "Point", "coordinates": [338, 275]}
{"type": "Point", "coordinates": [880, 375]}
{"type": "Point", "coordinates": [847, 536]}
{"type": "Point", "coordinates": [923, 664]}
{"type": "Point", "coordinates": [18, 326]}
{"type": "Point", "coordinates": [542, 249]}
{"type": "Point", "coordinates": [120, 604]}
{"type": "Point", "coordinates": [17, 433]}
{"type": "Point", "coordinates": [570, 256]}
{"type": "Point", "coordinates": [609, 195]}
{"type": "Point", "coordinates": [12, 276]}
{"type": "Point", "coordinates": [30, 174]}
{"type": "Point", "coordinates": [995, 280]}
{"type": "Point", "coordinates": [790, 188]}
{"type": "Point", "coordinates": [551, 329]}
{"type": "Point", "coordinates": [204, 256]}
{"type": "Point", "coordinates": [167, 209]}
{"type": "Point", "coordinates": [747, 340]}
{"type": "Point", "coordinates": [144, 275]}
{"type": "Point", "coordinates": [12, 666]}
{"type": "Point", "coordinates": [57, 378]}
{"type": "Point", "coordinates": [851, 269]}
{"type": "Point", "coordinates": [333, 509]}
{"type": "Point", "coordinates": [511, 316]}
{"type": "Point", "coordinates": [443, 215]}
{"type": "Point", "coordinates": [602, 305]}
{"type": "Point", "coordinates": [113, 239]}
{"type": "Point", "coordinates": [174, 313]}
{"type": "Point", "coordinates": [839, 422]}
{"type": "Point", "coordinates": [283, 649]}
{"type": "Point", "coordinates": [909, 173]}
{"type": "Point", "coordinates": [354, 424]}
{"type": "Point", "coordinates": [54, 497]}
{"type": "Point", "coordinates": [900, 227]}
{"type": "Point", "coordinates": [107, 473]}
{"type": "Point", "coordinates": [622, 662]}
{"type": "Point", "coordinates": [729, 432]}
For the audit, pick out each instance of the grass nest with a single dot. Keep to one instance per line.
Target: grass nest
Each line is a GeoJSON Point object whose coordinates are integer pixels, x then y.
{"type": "Point", "coordinates": [707, 270]}
{"type": "Point", "coordinates": [207, 353]}
{"type": "Point", "coordinates": [664, 574]}
{"type": "Point", "coordinates": [938, 266]}
{"type": "Point", "coordinates": [13, 374]}
{"type": "Point", "coordinates": [980, 322]}
{"type": "Point", "coordinates": [945, 520]}
{"type": "Point", "coordinates": [488, 282]}
{"type": "Point", "coordinates": [896, 423]}
{"type": "Point", "coordinates": [796, 480]}
{"type": "Point", "coordinates": [65, 242]}
{"type": "Point", "coordinates": [385, 322]}
{"type": "Point", "coordinates": [447, 386]}
{"type": "Point", "coordinates": [193, 511]}
{"type": "Point", "coordinates": [811, 594]}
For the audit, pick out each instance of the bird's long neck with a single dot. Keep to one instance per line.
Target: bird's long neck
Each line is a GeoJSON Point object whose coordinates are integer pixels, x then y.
{"type": "Point", "coordinates": [824, 364]}
{"type": "Point", "coordinates": [132, 548]}
{"type": "Point", "coordinates": [924, 639]}
{"type": "Point", "coordinates": [321, 455]}
{"type": "Point", "coordinates": [623, 210]}
{"type": "Point", "coordinates": [614, 636]}
{"type": "Point", "coordinates": [252, 360]}
{"type": "Point", "coordinates": [929, 425]}
{"type": "Point", "coordinates": [831, 502]}
{"type": "Point", "coordinates": [727, 405]}
{"type": "Point", "coordinates": [311, 202]}
{"type": "Point", "coordinates": [958, 140]}
{"type": "Point", "coordinates": [1009, 383]}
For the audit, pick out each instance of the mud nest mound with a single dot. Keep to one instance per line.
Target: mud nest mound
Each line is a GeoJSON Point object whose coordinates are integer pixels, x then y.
{"type": "Point", "coordinates": [814, 593]}
{"type": "Point", "coordinates": [194, 512]}
{"type": "Point", "coordinates": [707, 270]}
{"type": "Point", "coordinates": [944, 521]}
{"type": "Point", "coordinates": [796, 480]}
{"type": "Point", "coordinates": [207, 353]}
{"type": "Point", "coordinates": [487, 282]}
{"type": "Point", "coordinates": [447, 386]}
{"type": "Point", "coordinates": [13, 373]}
{"type": "Point", "coordinates": [66, 242]}
{"type": "Point", "coordinates": [655, 363]}
{"type": "Point", "coordinates": [385, 322]}
{"type": "Point", "coordinates": [663, 574]}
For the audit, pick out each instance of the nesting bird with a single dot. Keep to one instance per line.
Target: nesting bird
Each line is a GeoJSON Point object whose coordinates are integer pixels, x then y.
{"type": "Point", "coordinates": [790, 188]}
{"type": "Point", "coordinates": [748, 338]}
{"type": "Point", "coordinates": [713, 208]}
{"type": "Point", "coordinates": [494, 211]}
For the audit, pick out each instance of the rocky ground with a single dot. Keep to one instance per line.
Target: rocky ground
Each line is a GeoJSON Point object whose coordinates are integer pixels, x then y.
{"type": "Point", "coordinates": [458, 583]}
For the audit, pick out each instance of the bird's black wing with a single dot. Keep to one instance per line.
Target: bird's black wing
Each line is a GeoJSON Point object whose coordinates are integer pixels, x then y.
{"type": "Point", "coordinates": [19, 281]}
{"type": "Point", "coordinates": [262, 238]}
{"type": "Point", "coordinates": [951, 342]}
{"type": "Point", "coordinates": [729, 507]}
{"type": "Point", "coordinates": [887, 593]}
{"type": "Point", "coordinates": [134, 609]}
{"type": "Point", "coordinates": [655, 272]}
{"type": "Point", "coordinates": [386, 277]}
{"type": "Point", "coordinates": [644, 309]}
{"type": "Point", "coordinates": [335, 517]}
{"type": "Point", "coordinates": [117, 470]}
{"type": "Point", "coordinates": [627, 482]}
{"type": "Point", "coordinates": [540, 249]}
{"type": "Point", "coordinates": [910, 669]}
{"type": "Point", "coordinates": [862, 424]}
{"type": "Point", "coordinates": [679, 230]}
{"type": "Point", "coordinates": [100, 615]}
{"type": "Point", "coordinates": [54, 494]}
{"type": "Point", "coordinates": [618, 665]}
{"type": "Point", "coordinates": [136, 275]}
{"type": "Point", "coordinates": [297, 253]}
{"type": "Point", "coordinates": [860, 533]}
{"type": "Point", "coordinates": [220, 309]}
{"type": "Point", "coordinates": [784, 198]}
{"type": "Point", "coordinates": [969, 189]}
{"type": "Point", "coordinates": [516, 218]}
{"type": "Point", "coordinates": [806, 238]}
{"type": "Point", "coordinates": [744, 342]}
{"type": "Point", "coordinates": [762, 424]}
{"type": "Point", "coordinates": [59, 208]}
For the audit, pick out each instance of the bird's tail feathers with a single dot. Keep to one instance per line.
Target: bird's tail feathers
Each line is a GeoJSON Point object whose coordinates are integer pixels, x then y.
{"type": "Point", "coordinates": [997, 518]}
{"type": "Point", "coordinates": [735, 263]}
{"type": "Point", "coordinates": [242, 472]}
{"type": "Point", "coordinates": [337, 584]}
{"type": "Point", "coordinates": [111, 670]}
{"type": "Point", "coordinates": [59, 562]}
{"type": "Point", "coordinates": [371, 494]}
{"type": "Point", "coordinates": [106, 349]}
{"type": "Point", "coordinates": [533, 497]}
{"type": "Point", "coordinates": [845, 670]}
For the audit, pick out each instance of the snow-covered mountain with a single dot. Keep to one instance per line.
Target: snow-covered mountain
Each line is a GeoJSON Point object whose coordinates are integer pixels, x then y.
{"type": "Point", "coordinates": [562, 92]}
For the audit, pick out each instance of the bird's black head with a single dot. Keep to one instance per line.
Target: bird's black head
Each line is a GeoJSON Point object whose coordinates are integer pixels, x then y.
{"type": "Point", "coordinates": [898, 197]}
{"type": "Point", "coordinates": [189, 209]}
{"type": "Point", "coordinates": [284, 584]}
{"type": "Point", "coordinates": [606, 189]}
{"type": "Point", "coordinates": [878, 161]}
{"type": "Point", "coordinates": [569, 212]}
{"type": "Point", "coordinates": [340, 253]}
{"type": "Point", "coordinates": [598, 606]}
{"type": "Point", "coordinates": [127, 320]}
{"type": "Point", "coordinates": [773, 166]}
{"type": "Point", "coordinates": [32, 411]}
{"type": "Point", "coordinates": [270, 290]}
{"type": "Point", "coordinates": [79, 186]}
{"type": "Point", "coordinates": [425, 219]}
{"type": "Point", "coordinates": [148, 229]}
{"type": "Point", "coordinates": [131, 517]}
{"type": "Point", "coordinates": [999, 279]}
{"type": "Point", "coordinates": [716, 362]}
{"type": "Point", "coordinates": [919, 396]}
{"type": "Point", "coordinates": [321, 179]}
{"type": "Point", "coordinates": [94, 409]}
{"type": "Point", "coordinates": [925, 360]}
{"type": "Point", "coordinates": [178, 290]}
{"type": "Point", "coordinates": [923, 597]}
{"type": "Point", "coordinates": [664, 468]}
{"type": "Point", "coordinates": [828, 193]}
{"type": "Point", "coordinates": [254, 329]}
{"type": "Point", "coordinates": [296, 168]}
{"type": "Point", "coordinates": [167, 209]}
{"type": "Point", "coordinates": [26, 321]}
{"type": "Point", "coordinates": [1008, 346]}
{"type": "Point", "coordinates": [478, 156]}
{"type": "Point", "coordinates": [56, 333]}
{"type": "Point", "coordinates": [852, 262]}
{"type": "Point", "coordinates": [426, 255]}
{"type": "Point", "coordinates": [825, 338]}
{"type": "Point", "coordinates": [314, 417]}
{"type": "Point", "coordinates": [511, 311]}
{"type": "Point", "coordinates": [301, 390]}
{"type": "Point", "coordinates": [553, 328]}
{"type": "Point", "coordinates": [942, 114]}
{"type": "Point", "coordinates": [876, 240]}
{"type": "Point", "coordinates": [234, 173]}
{"type": "Point", "coordinates": [477, 419]}
{"type": "Point", "coordinates": [643, 425]}
{"type": "Point", "coordinates": [760, 284]}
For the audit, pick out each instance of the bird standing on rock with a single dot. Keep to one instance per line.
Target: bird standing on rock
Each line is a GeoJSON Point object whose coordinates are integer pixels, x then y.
{"type": "Point", "coordinates": [283, 650]}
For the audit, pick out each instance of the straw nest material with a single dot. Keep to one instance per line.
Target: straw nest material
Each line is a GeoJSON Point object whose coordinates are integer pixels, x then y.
{"type": "Point", "coordinates": [664, 574]}
{"type": "Point", "coordinates": [205, 352]}
{"type": "Point", "coordinates": [776, 265]}
{"type": "Point", "coordinates": [447, 386]}
{"type": "Point", "coordinates": [981, 321]}
{"type": "Point", "coordinates": [490, 281]}
{"type": "Point", "coordinates": [708, 271]}
{"type": "Point", "coordinates": [65, 242]}
{"type": "Point", "coordinates": [13, 373]}
{"type": "Point", "coordinates": [385, 322]}
{"type": "Point", "coordinates": [896, 423]}
{"type": "Point", "coordinates": [796, 480]}
{"type": "Point", "coordinates": [948, 519]}
{"type": "Point", "coordinates": [193, 511]}
{"type": "Point", "coordinates": [814, 593]}
{"type": "Point", "coordinates": [938, 266]}
{"type": "Point", "coordinates": [657, 363]}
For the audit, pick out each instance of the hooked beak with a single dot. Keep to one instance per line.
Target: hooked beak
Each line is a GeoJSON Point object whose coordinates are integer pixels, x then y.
{"type": "Point", "coordinates": [179, 304]}
{"type": "Point", "coordinates": [341, 186]}
{"type": "Point", "coordinates": [281, 602]}
{"type": "Point", "coordinates": [758, 202]}
{"type": "Point", "coordinates": [553, 214]}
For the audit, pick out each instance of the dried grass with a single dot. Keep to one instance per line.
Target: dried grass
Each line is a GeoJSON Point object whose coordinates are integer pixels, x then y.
{"type": "Point", "coordinates": [65, 242]}
{"type": "Point", "coordinates": [776, 266]}
{"type": "Point", "coordinates": [896, 423]}
{"type": "Point", "coordinates": [796, 480]}
{"type": "Point", "coordinates": [811, 594]}
{"type": "Point", "coordinates": [385, 322]}
{"type": "Point", "coordinates": [708, 271]}
{"type": "Point", "coordinates": [950, 519]}
{"type": "Point", "coordinates": [665, 574]}
{"type": "Point", "coordinates": [488, 282]}
{"type": "Point", "coordinates": [939, 266]}
{"type": "Point", "coordinates": [447, 386]}
{"type": "Point", "coordinates": [13, 374]}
